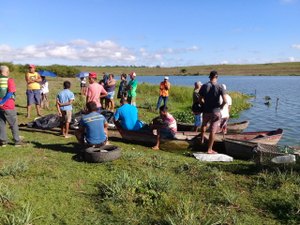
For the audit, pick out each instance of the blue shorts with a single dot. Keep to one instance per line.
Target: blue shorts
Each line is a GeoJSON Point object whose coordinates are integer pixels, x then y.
{"type": "Point", "coordinates": [33, 97]}
{"type": "Point", "coordinates": [110, 95]}
{"type": "Point", "coordinates": [198, 120]}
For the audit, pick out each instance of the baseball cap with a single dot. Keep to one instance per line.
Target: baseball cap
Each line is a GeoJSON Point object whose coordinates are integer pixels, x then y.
{"type": "Point", "coordinates": [166, 78]}
{"type": "Point", "coordinates": [93, 75]}
{"type": "Point", "coordinates": [133, 74]}
{"type": "Point", "coordinates": [31, 66]}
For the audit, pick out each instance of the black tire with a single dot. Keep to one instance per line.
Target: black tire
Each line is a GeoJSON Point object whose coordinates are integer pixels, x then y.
{"type": "Point", "coordinates": [102, 154]}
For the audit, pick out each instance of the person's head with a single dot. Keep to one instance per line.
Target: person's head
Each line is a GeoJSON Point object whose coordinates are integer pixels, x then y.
{"type": "Point", "coordinates": [92, 77]}
{"type": "Point", "coordinates": [197, 84]}
{"type": "Point", "coordinates": [91, 106]}
{"type": "Point", "coordinates": [123, 76]}
{"type": "Point", "coordinates": [213, 76]}
{"type": "Point", "coordinates": [132, 75]}
{"type": "Point", "coordinates": [111, 76]}
{"type": "Point", "coordinates": [163, 110]}
{"type": "Point", "coordinates": [166, 79]}
{"type": "Point", "coordinates": [67, 84]}
{"type": "Point", "coordinates": [31, 68]}
{"type": "Point", "coordinates": [4, 70]}
{"type": "Point", "coordinates": [123, 101]}
{"type": "Point", "coordinates": [43, 77]}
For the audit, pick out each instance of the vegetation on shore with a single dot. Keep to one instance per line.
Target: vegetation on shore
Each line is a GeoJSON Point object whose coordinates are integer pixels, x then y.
{"type": "Point", "coordinates": [45, 183]}
{"type": "Point", "coordinates": [269, 69]}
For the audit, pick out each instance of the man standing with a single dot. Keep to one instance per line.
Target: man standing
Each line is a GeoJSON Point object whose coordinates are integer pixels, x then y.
{"type": "Point", "coordinates": [95, 91]}
{"type": "Point", "coordinates": [33, 92]}
{"type": "Point", "coordinates": [132, 86]}
{"type": "Point", "coordinates": [210, 98]}
{"type": "Point", "coordinates": [7, 108]}
{"type": "Point", "coordinates": [164, 88]}
{"type": "Point", "coordinates": [196, 101]}
{"type": "Point", "coordinates": [92, 130]}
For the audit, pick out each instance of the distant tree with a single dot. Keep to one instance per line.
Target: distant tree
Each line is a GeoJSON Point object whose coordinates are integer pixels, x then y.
{"type": "Point", "coordinates": [183, 70]}
{"type": "Point", "coordinates": [158, 66]}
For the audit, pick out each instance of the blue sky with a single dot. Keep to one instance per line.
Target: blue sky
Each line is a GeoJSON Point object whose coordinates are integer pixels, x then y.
{"type": "Point", "coordinates": [157, 32]}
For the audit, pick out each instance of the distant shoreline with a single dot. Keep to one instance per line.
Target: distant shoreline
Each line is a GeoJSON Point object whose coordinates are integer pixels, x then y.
{"type": "Point", "coordinates": [270, 69]}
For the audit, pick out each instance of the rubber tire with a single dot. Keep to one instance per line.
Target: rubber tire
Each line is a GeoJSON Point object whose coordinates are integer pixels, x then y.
{"type": "Point", "coordinates": [94, 155]}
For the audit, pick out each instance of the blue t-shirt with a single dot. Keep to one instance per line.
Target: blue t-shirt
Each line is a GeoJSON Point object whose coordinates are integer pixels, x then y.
{"type": "Point", "coordinates": [65, 96]}
{"type": "Point", "coordinates": [94, 127]}
{"type": "Point", "coordinates": [128, 114]}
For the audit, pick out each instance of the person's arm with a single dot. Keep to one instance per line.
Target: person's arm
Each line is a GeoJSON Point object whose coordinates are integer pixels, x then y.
{"type": "Point", "coordinates": [106, 129]}
{"type": "Point", "coordinates": [6, 97]}
{"type": "Point", "coordinates": [58, 104]}
{"type": "Point", "coordinates": [103, 93]}
{"type": "Point", "coordinates": [224, 101]}
{"type": "Point", "coordinates": [38, 78]}
{"type": "Point", "coordinates": [167, 86]}
{"type": "Point", "coordinates": [116, 116]}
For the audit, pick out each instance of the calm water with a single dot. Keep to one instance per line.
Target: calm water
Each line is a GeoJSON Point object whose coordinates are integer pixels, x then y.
{"type": "Point", "coordinates": [261, 116]}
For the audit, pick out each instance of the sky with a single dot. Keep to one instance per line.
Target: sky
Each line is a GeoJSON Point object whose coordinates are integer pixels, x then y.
{"type": "Point", "coordinates": [162, 33]}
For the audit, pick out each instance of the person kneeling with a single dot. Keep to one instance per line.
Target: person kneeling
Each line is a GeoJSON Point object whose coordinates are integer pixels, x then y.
{"type": "Point", "coordinates": [166, 128]}
{"type": "Point", "coordinates": [92, 130]}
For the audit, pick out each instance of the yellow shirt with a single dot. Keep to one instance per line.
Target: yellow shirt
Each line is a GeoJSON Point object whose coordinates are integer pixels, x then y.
{"type": "Point", "coordinates": [34, 85]}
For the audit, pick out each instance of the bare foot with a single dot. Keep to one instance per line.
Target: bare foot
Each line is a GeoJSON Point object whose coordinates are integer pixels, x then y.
{"type": "Point", "coordinates": [212, 152]}
{"type": "Point", "coordinates": [155, 147]}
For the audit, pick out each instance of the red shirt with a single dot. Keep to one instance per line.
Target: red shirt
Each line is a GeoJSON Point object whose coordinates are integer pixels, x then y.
{"type": "Point", "coordinates": [10, 103]}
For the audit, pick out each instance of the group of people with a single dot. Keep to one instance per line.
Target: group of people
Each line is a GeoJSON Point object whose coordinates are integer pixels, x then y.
{"type": "Point", "coordinates": [93, 126]}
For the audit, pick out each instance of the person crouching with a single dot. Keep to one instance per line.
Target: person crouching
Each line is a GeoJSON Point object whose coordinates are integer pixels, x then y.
{"type": "Point", "coordinates": [93, 126]}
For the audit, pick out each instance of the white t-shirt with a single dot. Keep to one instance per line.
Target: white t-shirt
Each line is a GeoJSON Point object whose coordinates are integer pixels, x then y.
{"type": "Point", "coordinates": [225, 110]}
{"type": "Point", "coordinates": [45, 88]}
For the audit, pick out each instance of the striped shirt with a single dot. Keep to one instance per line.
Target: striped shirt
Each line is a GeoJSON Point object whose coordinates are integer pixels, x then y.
{"type": "Point", "coordinates": [170, 123]}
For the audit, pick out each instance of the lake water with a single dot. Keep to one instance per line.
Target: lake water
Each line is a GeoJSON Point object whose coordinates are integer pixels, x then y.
{"type": "Point", "coordinates": [261, 116]}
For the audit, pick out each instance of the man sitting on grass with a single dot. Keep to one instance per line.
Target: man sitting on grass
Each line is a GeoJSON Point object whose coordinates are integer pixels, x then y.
{"type": "Point", "coordinates": [92, 130]}
{"type": "Point", "coordinates": [166, 128]}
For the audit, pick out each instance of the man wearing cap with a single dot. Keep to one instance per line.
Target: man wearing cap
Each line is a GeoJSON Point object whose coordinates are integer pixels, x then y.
{"type": "Point", "coordinates": [131, 87]}
{"type": "Point", "coordinates": [95, 91]}
{"type": "Point", "coordinates": [7, 108]}
{"type": "Point", "coordinates": [164, 88]}
{"type": "Point", "coordinates": [33, 92]}
{"type": "Point", "coordinates": [210, 98]}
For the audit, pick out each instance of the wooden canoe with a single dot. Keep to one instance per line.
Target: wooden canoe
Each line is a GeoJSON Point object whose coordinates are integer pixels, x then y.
{"type": "Point", "coordinates": [264, 137]}
{"type": "Point", "coordinates": [183, 140]}
{"type": "Point", "coordinates": [231, 127]}
{"type": "Point", "coordinates": [258, 152]}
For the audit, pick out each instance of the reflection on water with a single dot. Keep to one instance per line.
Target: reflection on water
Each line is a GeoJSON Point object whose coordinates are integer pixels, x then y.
{"type": "Point", "coordinates": [261, 116]}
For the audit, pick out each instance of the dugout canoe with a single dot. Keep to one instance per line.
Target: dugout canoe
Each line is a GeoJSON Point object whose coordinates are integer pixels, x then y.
{"type": "Point", "coordinates": [184, 140]}
{"type": "Point", "coordinates": [237, 127]}
{"type": "Point", "coordinates": [264, 137]}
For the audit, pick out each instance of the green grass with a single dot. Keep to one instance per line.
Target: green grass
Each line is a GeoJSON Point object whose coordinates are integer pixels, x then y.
{"type": "Point", "coordinates": [43, 183]}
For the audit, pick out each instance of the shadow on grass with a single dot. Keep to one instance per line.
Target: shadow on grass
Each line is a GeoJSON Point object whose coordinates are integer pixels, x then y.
{"type": "Point", "coordinates": [70, 147]}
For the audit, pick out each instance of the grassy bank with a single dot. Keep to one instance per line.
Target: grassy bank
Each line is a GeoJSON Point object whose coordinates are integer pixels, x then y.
{"type": "Point", "coordinates": [249, 69]}
{"type": "Point", "coordinates": [45, 183]}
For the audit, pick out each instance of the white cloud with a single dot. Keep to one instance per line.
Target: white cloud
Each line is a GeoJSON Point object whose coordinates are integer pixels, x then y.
{"type": "Point", "coordinates": [296, 46]}
{"type": "Point", "coordinates": [292, 59]}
